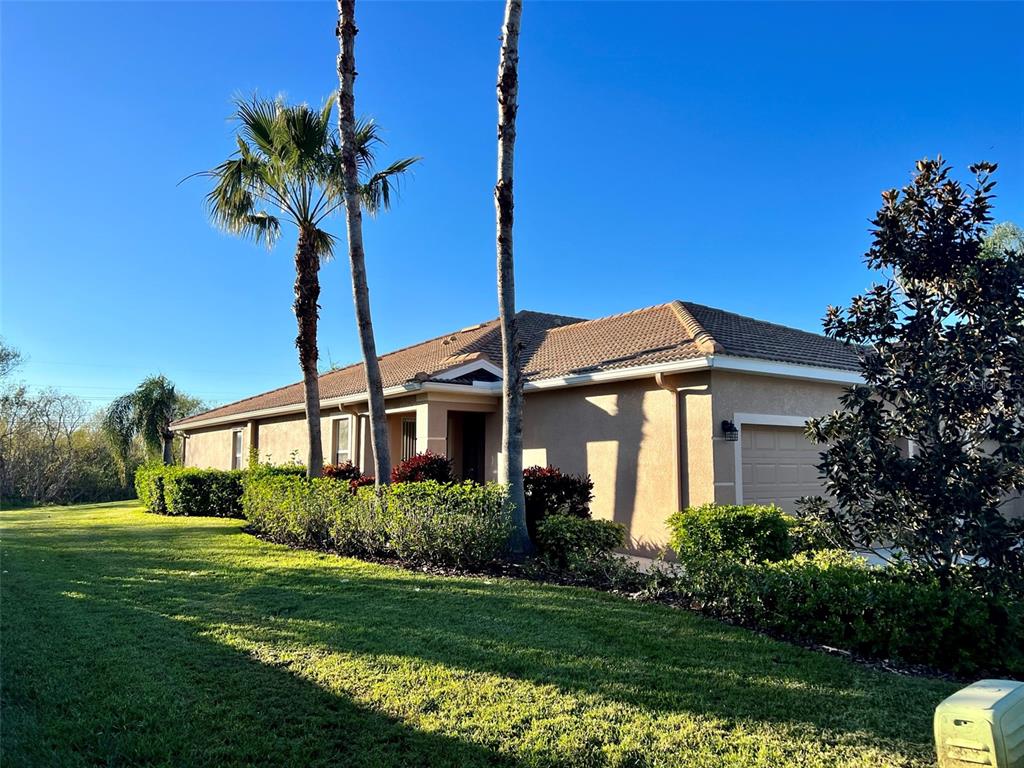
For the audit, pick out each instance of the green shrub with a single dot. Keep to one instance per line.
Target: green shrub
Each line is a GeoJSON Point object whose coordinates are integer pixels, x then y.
{"type": "Point", "coordinates": [571, 541]}
{"type": "Point", "coordinates": [746, 533]}
{"type": "Point", "coordinates": [454, 524]}
{"type": "Point", "coordinates": [806, 535]}
{"type": "Point", "coordinates": [291, 509]}
{"type": "Point", "coordinates": [834, 598]}
{"type": "Point", "coordinates": [171, 490]}
{"type": "Point", "coordinates": [194, 492]}
{"type": "Point", "coordinates": [440, 523]}
{"type": "Point", "coordinates": [149, 487]}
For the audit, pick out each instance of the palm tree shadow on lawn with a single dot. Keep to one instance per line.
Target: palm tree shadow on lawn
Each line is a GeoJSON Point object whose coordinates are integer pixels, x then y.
{"type": "Point", "coordinates": [210, 705]}
{"type": "Point", "coordinates": [582, 642]}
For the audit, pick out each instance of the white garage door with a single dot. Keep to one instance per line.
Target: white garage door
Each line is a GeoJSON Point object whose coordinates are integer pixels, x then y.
{"type": "Point", "coordinates": [778, 465]}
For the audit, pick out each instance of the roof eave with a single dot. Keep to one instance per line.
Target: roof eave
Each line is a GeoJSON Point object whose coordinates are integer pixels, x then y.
{"type": "Point", "coordinates": [748, 365]}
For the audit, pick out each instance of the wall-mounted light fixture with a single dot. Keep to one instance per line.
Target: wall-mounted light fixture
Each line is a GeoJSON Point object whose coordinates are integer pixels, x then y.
{"type": "Point", "coordinates": [730, 431]}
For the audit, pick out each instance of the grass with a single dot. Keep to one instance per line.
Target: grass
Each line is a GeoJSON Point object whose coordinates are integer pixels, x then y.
{"type": "Point", "coordinates": [132, 639]}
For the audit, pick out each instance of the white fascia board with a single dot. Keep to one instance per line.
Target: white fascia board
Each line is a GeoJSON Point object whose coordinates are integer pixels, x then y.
{"type": "Point", "coordinates": [719, 362]}
{"type": "Point", "coordinates": [401, 389]}
{"type": "Point", "coordinates": [620, 374]}
{"type": "Point", "coordinates": [785, 370]}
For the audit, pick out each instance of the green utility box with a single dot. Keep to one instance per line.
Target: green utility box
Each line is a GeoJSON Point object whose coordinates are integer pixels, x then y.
{"type": "Point", "coordinates": [982, 724]}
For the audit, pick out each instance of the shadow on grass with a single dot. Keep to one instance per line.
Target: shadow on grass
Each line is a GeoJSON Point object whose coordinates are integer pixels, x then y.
{"type": "Point", "coordinates": [213, 580]}
{"type": "Point", "coordinates": [92, 678]}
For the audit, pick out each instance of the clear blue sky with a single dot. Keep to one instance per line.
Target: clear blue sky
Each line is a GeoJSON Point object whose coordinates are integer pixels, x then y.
{"type": "Point", "coordinates": [728, 154]}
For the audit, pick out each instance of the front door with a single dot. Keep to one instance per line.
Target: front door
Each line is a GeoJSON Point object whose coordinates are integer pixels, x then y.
{"type": "Point", "coordinates": [473, 446]}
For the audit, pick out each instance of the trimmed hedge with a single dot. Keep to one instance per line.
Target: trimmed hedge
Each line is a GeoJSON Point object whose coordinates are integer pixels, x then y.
{"type": "Point", "coordinates": [834, 598]}
{"type": "Point", "coordinates": [567, 541]}
{"type": "Point", "coordinates": [750, 533]}
{"type": "Point", "coordinates": [194, 492]}
{"type": "Point", "coordinates": [149, 487]}
{"type": "Point", "coordinates": [465, 524]}
{"type": "Point", "coordinates": [764, 569]}
{"type": "Point", "coordinates": [190, 491]}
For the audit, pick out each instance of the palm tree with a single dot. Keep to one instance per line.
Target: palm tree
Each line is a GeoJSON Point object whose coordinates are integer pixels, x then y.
{"type": "Point", "coordinates": [289, 161]}
{"type": "Point", "coordinates": [510, 470]}
{"type": "Point", "coordinates": [348, 130]}
{"type": "Point", "coordinates": [147, 413]}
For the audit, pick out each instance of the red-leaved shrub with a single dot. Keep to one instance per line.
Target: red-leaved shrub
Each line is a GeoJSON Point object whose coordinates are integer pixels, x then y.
{"type": "Point", "coordinates": [423, 466]}
{"type": "Point", "coordinates": [349, 472]}
{"type": "Point", "coordinates": [549, 491]}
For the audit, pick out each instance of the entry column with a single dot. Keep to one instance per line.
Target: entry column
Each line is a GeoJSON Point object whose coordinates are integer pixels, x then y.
{"type": "Point", "coordinates": [432, 428]}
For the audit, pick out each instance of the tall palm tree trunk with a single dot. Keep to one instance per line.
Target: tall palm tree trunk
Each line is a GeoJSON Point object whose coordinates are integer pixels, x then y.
{"type": "Point", "coordinates": [346, 32]}
{"type": "Point", "coordinates": [167, 444]}
{"type": "Point", "coordinates": [510, 469]}
{"type": "Point", "coordinates": [307, 293]}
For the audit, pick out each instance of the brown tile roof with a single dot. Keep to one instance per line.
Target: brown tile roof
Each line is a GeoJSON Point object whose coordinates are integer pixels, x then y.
{"type": "Point", "coordinates": [556, 345]}
{"type": "Point", "coordinates": [746, 337]}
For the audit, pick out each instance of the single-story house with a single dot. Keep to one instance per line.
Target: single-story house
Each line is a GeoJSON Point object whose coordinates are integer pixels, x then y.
{"type": "Point", "coordinates": [665, 407]}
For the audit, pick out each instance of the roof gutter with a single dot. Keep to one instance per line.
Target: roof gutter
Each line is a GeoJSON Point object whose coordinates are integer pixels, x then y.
{"type": "Point", "coordinates": [719, 362]}
{"type": "Point", "coordinates": [281, 410]}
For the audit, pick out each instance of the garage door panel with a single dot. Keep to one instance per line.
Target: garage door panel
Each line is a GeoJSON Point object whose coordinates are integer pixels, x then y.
{"type": "Point", "coordinates": [778, 466]}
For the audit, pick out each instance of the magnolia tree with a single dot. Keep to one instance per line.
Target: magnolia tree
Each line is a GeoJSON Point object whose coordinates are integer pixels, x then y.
{"type": "Point", "coordinates": [922, 457]}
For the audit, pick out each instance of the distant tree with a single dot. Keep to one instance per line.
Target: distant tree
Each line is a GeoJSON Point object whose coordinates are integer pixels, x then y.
{"type": "Point", "coordinates": [146, 414]}
{"type": "Point", "coordinates": [10, 358]}
{"type": "Point", "coordinates": [289, 161]}
{"type": "Point", "coordinates": [943, 368]}
{"type": "Point", "coordinates": [510, 470]}
{"type": "Point", "coordinates": [37, 458]}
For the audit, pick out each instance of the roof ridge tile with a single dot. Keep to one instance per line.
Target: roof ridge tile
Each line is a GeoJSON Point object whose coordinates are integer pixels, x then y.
{"type": "Point", "coordinates": [705, 341]}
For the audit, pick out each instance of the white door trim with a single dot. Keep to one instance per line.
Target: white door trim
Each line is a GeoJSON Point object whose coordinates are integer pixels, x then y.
{"type": "Point", "coordinates": [758, 419]}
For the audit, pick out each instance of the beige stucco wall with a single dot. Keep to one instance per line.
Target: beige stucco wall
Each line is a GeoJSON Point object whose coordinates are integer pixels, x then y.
{"type": "Point", "coordinates": [624, 436]}
{"type": "Point", "coordinates": [209, 448]}
{"type": "Point", "coordinates": [764, 395]}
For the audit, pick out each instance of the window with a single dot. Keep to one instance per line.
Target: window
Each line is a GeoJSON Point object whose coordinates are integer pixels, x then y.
{"type": "Point", "coordinates": [408, 438]}
{"type": "Point", "coordinates": [341, 431]}
{"type": "Point", "coordinates": [236, 449]}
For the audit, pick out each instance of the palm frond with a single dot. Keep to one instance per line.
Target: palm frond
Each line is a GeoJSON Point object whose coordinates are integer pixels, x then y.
{"type": "Point", "coordinates": [323, 243]}
{"type": "Point", "coordinates": [368, 137]}
{"type": "Point", "coordinates": [376, 192]}
{"type": "Point", "coordinates": [118, 426]}
{"type": "Point", "coordinates": [153, 407]}
{"type": "Point", "coordinates": [260, 122]}
{"type": "Point", "coordinates": [288, 158]}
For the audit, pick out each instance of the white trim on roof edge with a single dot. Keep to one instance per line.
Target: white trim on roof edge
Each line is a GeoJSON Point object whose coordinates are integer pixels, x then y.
{"type": "Point", "coordinates": [281, 410]}
{"type": "Point", "coordinates": [785, 370]}
{"type": "Point", "coordinates": [719, 362]}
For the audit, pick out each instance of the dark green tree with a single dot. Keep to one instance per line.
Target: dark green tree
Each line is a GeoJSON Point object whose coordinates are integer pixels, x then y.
{"type": "Point", "coordinates": [922, 456]}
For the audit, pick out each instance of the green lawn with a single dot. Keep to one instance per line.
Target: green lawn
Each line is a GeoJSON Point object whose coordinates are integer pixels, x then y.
{"type": "Point", "coordinates": [132, 639]}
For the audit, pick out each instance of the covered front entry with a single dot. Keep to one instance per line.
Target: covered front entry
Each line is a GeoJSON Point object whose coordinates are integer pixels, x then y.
{"type": "Point", "coordinates": [466, 430]}
{"type": "Point", "coordinates": [778, 465]}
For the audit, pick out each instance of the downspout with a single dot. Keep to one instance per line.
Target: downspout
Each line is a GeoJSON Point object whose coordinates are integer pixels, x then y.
{"type": "Point", "coordinates": [669, 383]}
